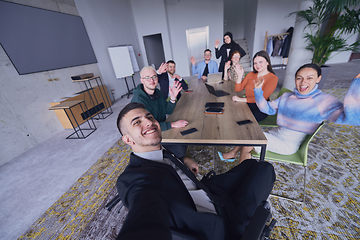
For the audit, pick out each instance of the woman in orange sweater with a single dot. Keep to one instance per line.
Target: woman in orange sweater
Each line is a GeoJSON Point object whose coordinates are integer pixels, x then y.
{"type": "Point", "coordinates": [262, 70]}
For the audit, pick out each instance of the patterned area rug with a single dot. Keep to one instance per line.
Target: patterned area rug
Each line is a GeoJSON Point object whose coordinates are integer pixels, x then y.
{"type": "Point", "coordinates": [76, 209]}
{"type": "Point", "coordinates": [331, 210]}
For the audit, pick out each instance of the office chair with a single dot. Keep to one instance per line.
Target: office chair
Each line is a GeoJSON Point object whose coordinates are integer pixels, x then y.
{"type": "Point", "coordinates": [256, 229]}
{"type": "Point", "coordinates": [299, 158]}
{"type": "Point", "coordinates": [270, 120]}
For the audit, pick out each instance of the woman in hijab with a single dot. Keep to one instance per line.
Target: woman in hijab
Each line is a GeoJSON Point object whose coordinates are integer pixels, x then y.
{"type": "Point", "coordinates": [226, 50]}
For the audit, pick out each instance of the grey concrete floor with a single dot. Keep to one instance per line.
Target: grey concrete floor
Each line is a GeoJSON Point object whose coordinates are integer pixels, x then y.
{"type": "Point", "coordinates": [33, 181]}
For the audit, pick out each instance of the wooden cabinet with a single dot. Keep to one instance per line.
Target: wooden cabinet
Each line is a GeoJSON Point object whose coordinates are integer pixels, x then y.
{"type": "Point", "coordinates": [96, 100]}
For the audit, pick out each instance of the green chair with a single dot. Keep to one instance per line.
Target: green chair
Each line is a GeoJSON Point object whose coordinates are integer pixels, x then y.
{"type": "Point", "coordinates": [270, 121]}
{"type": "Point", "coordinates": [300, 157]}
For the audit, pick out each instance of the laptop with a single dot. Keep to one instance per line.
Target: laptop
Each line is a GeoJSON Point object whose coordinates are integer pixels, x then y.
{"type": "Point", "coordinates": [218, 93]}
{"type": "Point", "coordinates": [214, 77]}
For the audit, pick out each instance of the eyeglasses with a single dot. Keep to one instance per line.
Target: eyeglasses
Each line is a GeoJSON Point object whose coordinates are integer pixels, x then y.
{"type": "Point", "coordinates": [148, 78]}
{"type": "Point", "coordinates": [207, 54]}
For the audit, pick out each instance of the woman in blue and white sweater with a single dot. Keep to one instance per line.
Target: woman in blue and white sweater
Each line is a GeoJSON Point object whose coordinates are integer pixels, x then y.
{"type": "Point", "coordinates": [301, 112]}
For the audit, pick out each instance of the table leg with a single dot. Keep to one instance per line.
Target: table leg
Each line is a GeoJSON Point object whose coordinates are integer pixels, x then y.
{"type": "Point", "coordinates": [262, 153]}
{"type": "Point", "coordinates": [77, 124]}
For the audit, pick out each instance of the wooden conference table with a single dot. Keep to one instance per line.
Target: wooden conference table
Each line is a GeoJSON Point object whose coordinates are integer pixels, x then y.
{"type": "Point", "coordinates": [214, 129]}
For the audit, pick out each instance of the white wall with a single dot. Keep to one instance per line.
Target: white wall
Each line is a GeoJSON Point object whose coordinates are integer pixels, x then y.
{"type": "Point", "coordinates": [25, 119]}
{"type": "Point", "coordinates": [172, 18]}
{"type": "Point", "coordinates": [272, 17]}
{"type": "Point", "coordinates": [250, 16]}
{"type": "Point", "coordinates": [150, 18]}
{"type": "Point", "coordinates": [235, 17]}
{"type": "Point", "coordinates": [187, 14]}
{"type": "Point", "coordinates": [110, 24]}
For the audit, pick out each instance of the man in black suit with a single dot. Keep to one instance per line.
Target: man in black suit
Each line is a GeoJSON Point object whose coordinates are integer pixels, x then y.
{"type": "Point", "coordinates": [161, 193]}
{"type": "Point", "coordinates": [167, 77]}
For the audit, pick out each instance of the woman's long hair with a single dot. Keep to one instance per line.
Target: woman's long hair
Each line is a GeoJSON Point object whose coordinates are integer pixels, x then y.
{"type": "Point", "coordinates": [265, 55]}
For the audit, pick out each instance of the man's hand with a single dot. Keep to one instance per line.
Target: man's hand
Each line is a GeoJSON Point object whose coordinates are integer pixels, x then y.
{"type": "Point", "coordinates": [193, 60]}
{"type": "Point", "coordinates": [163, 68]}
{"type": "Point", "coordinates": [191, 164]}
{"type": "Point", "coordinates": [204, 78]}
{"type": "Point", "coordinates": [358, 76]}
{"type": "Point", "coordinates": [259, 82]}
{"type": "Point", "coordinates": [179, 124]}
{"type": "Point", "coordinates": [174, 90]}
{"type": "Point", "coordinates": [217, 42]}
{"type": "Point", "coordinates": [176, 76]}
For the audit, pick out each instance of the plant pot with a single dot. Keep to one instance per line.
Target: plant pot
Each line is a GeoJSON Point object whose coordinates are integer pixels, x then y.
{"type": "Point", "coordinates": [325, 70]}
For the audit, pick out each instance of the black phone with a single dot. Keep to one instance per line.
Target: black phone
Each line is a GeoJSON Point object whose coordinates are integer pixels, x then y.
{"type": "Point", "coordinates": [214, 105]}
{"type": "Point", "coordinates": [244, 122]}
{"type": "Point", "coordinates": [214, 110]}
{"type": "Point", "coordinates": [186, 132]}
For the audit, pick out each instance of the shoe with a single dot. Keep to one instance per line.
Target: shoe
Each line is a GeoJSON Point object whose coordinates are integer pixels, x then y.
{"type": "Point", "coordinates": [225, 160]}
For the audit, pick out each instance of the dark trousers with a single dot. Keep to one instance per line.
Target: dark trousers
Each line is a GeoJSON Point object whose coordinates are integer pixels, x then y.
{"type": "Point", "coordinates": [259, 116]}
{"type": "Point", "coordinates": [247, 186]}
{"type": "Point", "coordinates": [178, 149]}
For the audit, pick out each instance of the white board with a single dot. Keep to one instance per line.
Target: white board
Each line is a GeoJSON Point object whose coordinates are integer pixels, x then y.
{"type": "Point", "coordinates": [123, 61]}
{"type": "Point", "coordinates": [133, 59]}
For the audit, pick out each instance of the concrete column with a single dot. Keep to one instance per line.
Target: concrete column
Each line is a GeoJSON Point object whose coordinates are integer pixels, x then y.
{"type": "Point", "coordinates": [298, 55]}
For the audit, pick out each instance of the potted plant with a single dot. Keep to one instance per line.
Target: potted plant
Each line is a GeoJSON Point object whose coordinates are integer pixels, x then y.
{"type": "Point", "coordinates": [330, 23]}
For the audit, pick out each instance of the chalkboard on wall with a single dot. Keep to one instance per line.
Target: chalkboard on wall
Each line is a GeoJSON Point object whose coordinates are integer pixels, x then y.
{"type": "Point", "coordinates": [123, 60]}
{"type": "Point", "coordinates": [37, 40]}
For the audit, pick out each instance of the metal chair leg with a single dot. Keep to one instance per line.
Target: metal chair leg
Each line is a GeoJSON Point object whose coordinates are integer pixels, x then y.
{"type": "Point", "coordinates": [304, 184]}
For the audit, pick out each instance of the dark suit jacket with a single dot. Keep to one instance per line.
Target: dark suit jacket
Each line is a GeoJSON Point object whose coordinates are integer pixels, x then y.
{"type": "Point", "coordinates": [157, 200]}
{"type": "Point", "coordinates": [164, 85]}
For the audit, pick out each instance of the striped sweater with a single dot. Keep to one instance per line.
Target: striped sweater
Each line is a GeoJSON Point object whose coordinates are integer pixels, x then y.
{"type": "Point", "coordinates": [304, 113]}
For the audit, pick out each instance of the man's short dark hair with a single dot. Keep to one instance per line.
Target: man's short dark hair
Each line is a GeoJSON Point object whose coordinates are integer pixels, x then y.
{"type": "Point", "coordinates": [171, 61]}
{"type": "Point", "coordinates": [125, 110]}
{"type": "Point", "coordinates": [207, 50]}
